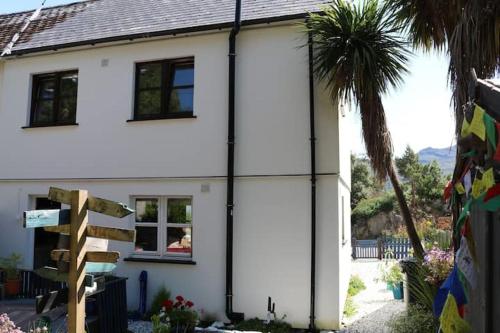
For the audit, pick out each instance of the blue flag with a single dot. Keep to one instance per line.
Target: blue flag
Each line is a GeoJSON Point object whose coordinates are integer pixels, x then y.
{"type": "Point", "coordinates": [451, 285]}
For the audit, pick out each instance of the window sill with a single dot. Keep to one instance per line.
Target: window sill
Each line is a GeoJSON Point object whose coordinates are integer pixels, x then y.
{"type": "Point", "coordinates": [164, 117]}
{"type": "Point", "coordinates": [160, 261]}
{"type": "Point", "coordinates": [49, 125]}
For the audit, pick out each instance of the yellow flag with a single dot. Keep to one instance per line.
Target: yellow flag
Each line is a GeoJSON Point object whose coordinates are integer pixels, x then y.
{"type": "Point", "coordinates": [465, 128]}
{"type": "Point", "coordinates": [477, 124]}
{"type": "Point", "coordinates": [450, 320]}
{"type": "Point", "coordinates": [477, 188]}
{"type": "Point", "coordinates": [460, 188]}
{"type": "Point", "coordinates": [488, 179]}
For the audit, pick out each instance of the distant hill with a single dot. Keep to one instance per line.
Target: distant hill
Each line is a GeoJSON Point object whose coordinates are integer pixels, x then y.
{"type": "Point", "coordinates": [444, 156]}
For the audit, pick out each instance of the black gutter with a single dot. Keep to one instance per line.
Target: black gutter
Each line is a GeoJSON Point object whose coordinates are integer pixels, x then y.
{"type": "Point", "coordinates": [161, 33]}
{"type": "Point", "coordinates": [312, 316]}
{"type": "Point", "coordinates": [231, 315]}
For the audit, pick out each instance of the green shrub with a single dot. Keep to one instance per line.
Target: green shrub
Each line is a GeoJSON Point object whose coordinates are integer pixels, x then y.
{"type": "Point", "coordinates": [161, 296]}
{"type": "Point", "coordinates": [355, 285]}
{"type": "Point", "coordinates": [368, 208]}
{"type": "Point", "coordinates": [350, 308]}
{"type": "Point", "coordinates": [415, 320]}
{"type": "Point", "coordinates": [255, 324]}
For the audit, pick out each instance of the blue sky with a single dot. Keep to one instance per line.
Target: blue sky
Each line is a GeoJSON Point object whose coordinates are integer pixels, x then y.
{"type": "Point", "coordinates": [418, 112]}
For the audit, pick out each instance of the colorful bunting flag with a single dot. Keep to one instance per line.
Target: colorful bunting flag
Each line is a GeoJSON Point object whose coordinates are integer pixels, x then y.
{"type": "Point", "coordinates": [497, 153]}
{"type": "Point", "coordinates": [451, 285]}
{"type": "Point", "coordinates": [477, 126]}
{"type": "Point", "coordinates": [450, 320]}
{"type": "Point", "coordinates": [447, 191]}
{"type": "Point", "coordinates": [460, 188]}
{"type": "Point", "coordinates": [465, 129]}
{"type": "Point", "coordinates": [490, 123]}
{"type": "Point", "coordinates": [465, 263]}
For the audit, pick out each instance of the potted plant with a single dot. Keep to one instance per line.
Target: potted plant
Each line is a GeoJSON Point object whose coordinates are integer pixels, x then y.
{"type": "Point", "coordinates": [12, 279]}
{"type": "Point", "coordinates": [395, 279]}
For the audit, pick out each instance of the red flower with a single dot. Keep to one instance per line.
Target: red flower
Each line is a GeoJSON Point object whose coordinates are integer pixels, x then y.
{"type": "Point", "coordinates": [189, 304]}
{"type": "Point", "coordinates": [180, 298]}
{"type": "Point", "coordinates": [168, 305]}
{"type": "Point", "coordinates": [177, 305]}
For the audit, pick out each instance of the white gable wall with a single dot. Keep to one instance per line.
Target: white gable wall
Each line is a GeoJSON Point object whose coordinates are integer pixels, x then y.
{"type": "Point", "coordinates": [272, 212]}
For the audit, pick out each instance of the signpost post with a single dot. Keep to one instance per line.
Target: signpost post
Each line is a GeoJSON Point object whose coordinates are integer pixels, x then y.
{"type": "Point", "coordinates": [74, 222]}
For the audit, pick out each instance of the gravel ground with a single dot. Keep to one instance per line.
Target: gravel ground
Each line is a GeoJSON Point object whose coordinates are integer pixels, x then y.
{"type": "Point", "coordinates": [375, 304]}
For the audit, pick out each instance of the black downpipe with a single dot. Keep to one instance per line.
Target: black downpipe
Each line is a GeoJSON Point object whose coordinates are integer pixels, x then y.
{"type": "Point", "coordinates": [312, 325]}
{"type": "Point", "coordinates": [231, 315]}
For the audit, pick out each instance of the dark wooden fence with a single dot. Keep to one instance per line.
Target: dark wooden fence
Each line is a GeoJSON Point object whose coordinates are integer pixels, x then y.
{"type": "Point", "coordinates": [381, 248]}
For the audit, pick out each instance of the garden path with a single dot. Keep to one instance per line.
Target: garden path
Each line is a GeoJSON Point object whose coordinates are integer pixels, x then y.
{"type": "Point", "coordinates": [375, 304]}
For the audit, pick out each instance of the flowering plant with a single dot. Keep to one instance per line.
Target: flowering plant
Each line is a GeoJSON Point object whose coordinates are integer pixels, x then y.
{"type": "Point", "coordinates": [438, 264]}
{"type": "Point", "coordinates": [7, 326]}
{"type": "Point", "coordinates": [178, 314]}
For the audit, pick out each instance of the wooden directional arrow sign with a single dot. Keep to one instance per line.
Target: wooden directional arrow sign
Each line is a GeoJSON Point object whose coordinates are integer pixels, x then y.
{"type": "Point", "coordinates": [90, 256]}
{"type": "Point", "coordinates": [103, 206]}
{"type": "Point", "coordinates": [46, 218]}
{"type": "Point", "coordinates": [122, 235]}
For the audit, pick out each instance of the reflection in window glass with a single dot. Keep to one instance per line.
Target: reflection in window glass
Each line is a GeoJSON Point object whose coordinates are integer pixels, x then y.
{"type": "Point", "coordinates": [146, 239]}
{"type": "Point", "coordinates": [181, 100]}
{"type": "Point", "coordinates": [179, 211]}
{"type": "Point", "coordinates": [179, 240]}
{"type": "Point", "coordinates": [184, 76]}
{"type": "Point", "coordinates": [146, 210]}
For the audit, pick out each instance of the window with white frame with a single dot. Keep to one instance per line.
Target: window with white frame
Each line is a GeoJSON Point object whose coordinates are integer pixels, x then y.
{"type": "Point", "coordinates": [163, 225]}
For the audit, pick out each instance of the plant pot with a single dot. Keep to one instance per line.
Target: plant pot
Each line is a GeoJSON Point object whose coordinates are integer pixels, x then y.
{"type": "Point", "coordinates": [397, 291]}
{"type": "Point", "coordinates": [389, 286]}
{"type": "Point", "coordinates": [12, 287]}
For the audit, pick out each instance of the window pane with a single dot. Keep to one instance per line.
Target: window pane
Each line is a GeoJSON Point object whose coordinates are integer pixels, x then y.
{"type": "Point", "coordinates": [149, 103]}
{"type": "Point", "coordinates": [179, 240]}
{"type": "Point", "coordinates": [184, 76]}
{"type": "Point", "coordinates": [46, 88]}
{"type": "Point", "coordinates": [146, 210]}
{"type": "Point", "coordinates": [67, 110]}
{"type": "Point", "coordinates": [181, 100]}
{"type": "Point", "coordinates": [44, 112]}
{"type": "Point", "coordinates": [69, 85]}
{"type": "Point", "coordinates": [150, 76]}
{"type": "Point", "coordinates": [146, 239]}
{"type": "Point", "coordinates": [179, 211]}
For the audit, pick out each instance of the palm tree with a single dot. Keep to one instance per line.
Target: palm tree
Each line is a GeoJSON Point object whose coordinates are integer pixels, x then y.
{"type": "Point", "coordinates": [358, 53]}
{"type": "Point", "coordinates": [469, 30]}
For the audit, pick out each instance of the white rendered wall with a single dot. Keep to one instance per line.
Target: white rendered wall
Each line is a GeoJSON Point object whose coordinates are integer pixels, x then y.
{"type": "Point", "coordinates": [272, 213]}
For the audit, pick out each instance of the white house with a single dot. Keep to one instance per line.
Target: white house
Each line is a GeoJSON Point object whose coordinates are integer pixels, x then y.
{"type": "Point", "coordinates": [132, 100]}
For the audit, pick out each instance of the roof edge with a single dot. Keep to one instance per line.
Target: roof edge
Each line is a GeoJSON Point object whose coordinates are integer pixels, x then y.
{"type": "Point", "coordinates": [171, 32]}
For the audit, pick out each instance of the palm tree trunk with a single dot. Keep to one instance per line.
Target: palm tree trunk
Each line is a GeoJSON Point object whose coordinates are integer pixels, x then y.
{"type": "Point", "coordinates": [418, 250]}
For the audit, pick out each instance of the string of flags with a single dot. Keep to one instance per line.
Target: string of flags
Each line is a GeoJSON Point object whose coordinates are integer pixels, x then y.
{"type": "Point", "coordinates": [475, 185]}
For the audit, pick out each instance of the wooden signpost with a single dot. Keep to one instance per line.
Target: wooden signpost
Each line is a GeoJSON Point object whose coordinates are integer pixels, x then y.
{"type": "Point", "coordinates": [82, 263]}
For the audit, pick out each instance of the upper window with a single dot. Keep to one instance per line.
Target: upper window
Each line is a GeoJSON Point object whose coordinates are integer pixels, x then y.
{"type": "Point", "coordinates": [54, 99]}
{"type": "Point", "coordinates": [164, 89]}
{"type": "Point", "coordinates": [163, 225]}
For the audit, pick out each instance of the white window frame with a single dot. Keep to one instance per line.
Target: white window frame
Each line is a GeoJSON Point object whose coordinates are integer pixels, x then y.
{"type": "Point", "coordinates": [162, 227]}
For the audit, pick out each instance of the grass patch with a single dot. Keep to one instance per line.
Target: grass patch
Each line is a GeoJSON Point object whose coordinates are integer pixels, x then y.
{"type": "Point", "coordinates": [356, 285]}
{"type": "Point", "coordinates": [416, 320]}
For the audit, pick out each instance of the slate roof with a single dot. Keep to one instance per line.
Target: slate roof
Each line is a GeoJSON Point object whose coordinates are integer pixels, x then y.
{"type": "Point", "coordinates": [106, 20]}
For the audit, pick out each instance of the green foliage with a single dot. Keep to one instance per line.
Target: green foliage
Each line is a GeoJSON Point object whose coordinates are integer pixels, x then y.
{"type": "Point", "coordinates": [255, 324]}
{"type": "Point", "coordinates": [355, 285]}
{"type": "Point", "coordinates": [158, 325]}
{"type": "Point", "coordinates": [161, 296]}
{"type": "Point", "coordinates": [391, 273]}
{"type": "Point", "coordinates": [416, 320]}
{"type": "Point", "coordinates": [363, 184]}
{"type": "Point", "coordinates": [183, 317]}
{"type": "Point", "coordinates": [422, 291]}
{"type": "Point", "coordinates": [350, 308]}
{"type": "Point", "coordinates": [10, 264]}
{"type": "Point", "coordinates": [370, 207]}
{"type": "Point", "coordinates": [424, 182]}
